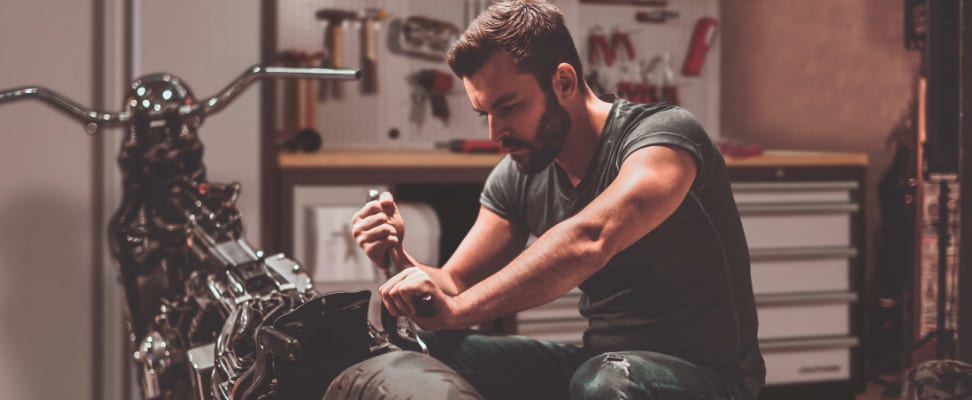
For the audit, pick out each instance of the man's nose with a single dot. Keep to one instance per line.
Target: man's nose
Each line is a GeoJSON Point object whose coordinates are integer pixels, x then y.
{"type": "Point", "coordinates": [496, 131]}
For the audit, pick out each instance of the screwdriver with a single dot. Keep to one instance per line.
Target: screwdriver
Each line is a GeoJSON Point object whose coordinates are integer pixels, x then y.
{"type": "Point", "coordinates": [470, 146]}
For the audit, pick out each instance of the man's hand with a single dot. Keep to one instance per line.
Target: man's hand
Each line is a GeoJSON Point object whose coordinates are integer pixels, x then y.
{"type": "Point", "coordinates": [378, 228]}
{"type": "Point", "coordinates": [401, 291]}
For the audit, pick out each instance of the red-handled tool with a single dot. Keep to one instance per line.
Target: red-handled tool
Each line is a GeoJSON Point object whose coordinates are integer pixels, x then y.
{"type": "Point", "coordinates": [470, 146]}
{"type": "Point", "coordinates": [436, 84]}
{"type": "Point", "coordinates": [621, 45]}
{"type": "Point", "coordinates": [702, 38]}
{"type": "Point", "coordinates": [599, 51]}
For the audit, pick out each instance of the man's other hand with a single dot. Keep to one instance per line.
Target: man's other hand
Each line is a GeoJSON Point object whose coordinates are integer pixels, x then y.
{"type": "Point", "coordinates": [378, 228]}
{"type": "Point", "coordinates": [400, 293]}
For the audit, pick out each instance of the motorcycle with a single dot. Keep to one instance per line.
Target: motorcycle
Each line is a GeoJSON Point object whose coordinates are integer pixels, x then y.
{"type": "Point", "coordinates": [209, 316]}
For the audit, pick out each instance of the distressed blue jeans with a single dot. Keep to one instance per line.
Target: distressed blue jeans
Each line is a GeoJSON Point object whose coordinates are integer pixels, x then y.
{"type": "Point", "coordinates": [517, 367]}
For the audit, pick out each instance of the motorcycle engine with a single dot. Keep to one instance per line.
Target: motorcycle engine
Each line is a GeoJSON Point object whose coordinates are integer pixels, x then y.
{"type": "Point", "coordinates": [209, 317]}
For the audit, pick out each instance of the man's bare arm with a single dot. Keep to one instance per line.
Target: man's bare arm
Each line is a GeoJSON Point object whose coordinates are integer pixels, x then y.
{"type": "Point", "coordinates": [490, 244]}
{"type": "Point", "coordinates": [650, 186]}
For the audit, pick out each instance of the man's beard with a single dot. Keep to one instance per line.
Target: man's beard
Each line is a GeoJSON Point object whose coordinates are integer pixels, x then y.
{"type": "Point", "coordinates": [551, 134]}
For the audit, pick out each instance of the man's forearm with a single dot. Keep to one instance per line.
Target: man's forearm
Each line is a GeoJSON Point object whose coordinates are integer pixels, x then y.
{"type": "Point", "coordinates": [442, 279]}
{"type": "Point", "coordinates": [558, 261]}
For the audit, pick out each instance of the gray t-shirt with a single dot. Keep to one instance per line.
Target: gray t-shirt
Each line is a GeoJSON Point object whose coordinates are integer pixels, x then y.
{"type": "Point", "coordinates": [683, 289]}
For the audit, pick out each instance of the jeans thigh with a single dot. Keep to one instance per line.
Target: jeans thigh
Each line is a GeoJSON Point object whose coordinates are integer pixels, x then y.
{"type": "Point", "coordinates": [643, 375]}
{"type": "Point", "coordinates": [400, 375]}
{"type": "Point", "coordinates": [507, 366]}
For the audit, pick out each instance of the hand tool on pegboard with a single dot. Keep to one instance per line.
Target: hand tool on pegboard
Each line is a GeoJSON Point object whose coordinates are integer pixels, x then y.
{"type": "Point", "coordinates": [599, 51]}
{"type": "Point", "coordinates": [292, 112]}
{"type": "Point", "coordinates": [702, 37]}
{"type": "Point", "coordinates": [300, 105]}
{"type": "Point", "coordinates": [629, 86]}
{"type": "Point", "coordinates": [637, 92]}
{"type": "Point", "coordinates": [307, 137]}
{"type": "Point", "coordinates": [644, 89]}
{"type": "Point", "coordinates": [622, 49]}
{"type": "Point", "coordinates": [369, 49]}
{"type": "Point", "coordinates": [422, 37]}
{"type": "Point", "coordinates": [655, 16]}
{"type": "Point", "coordinates": [334, 46]}
{"type": "Point", "coordinates": [431, 85]}
{"type": "Point", "coordinates": [624, 55]}
{"type": "Point", "coordinates": [470, 146]}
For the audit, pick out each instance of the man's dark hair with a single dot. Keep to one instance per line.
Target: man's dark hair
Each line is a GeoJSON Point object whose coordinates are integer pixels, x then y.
{"type": "Point", "coordinates": [532, 31]}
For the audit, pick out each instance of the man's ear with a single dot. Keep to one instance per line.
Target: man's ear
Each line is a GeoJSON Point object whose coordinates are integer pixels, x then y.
{"type": "Point", "coordinates": [564, 82]}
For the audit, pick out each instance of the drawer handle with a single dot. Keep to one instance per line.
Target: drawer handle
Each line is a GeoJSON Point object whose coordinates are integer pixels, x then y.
{"type": "Point", "coordinates": [791, 253]}
{"type": "Point", "coordinates": [807, 344]}
{"type": "Point", "coordinates": [792, 186]}
{"type": "Point", "coordinates": [818, 369]}
{"type": "Point", "coordinates": [805, 298]}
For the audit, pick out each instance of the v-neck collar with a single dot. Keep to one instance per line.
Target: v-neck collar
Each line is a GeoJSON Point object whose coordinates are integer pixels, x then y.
{"type": "Point", "coordinates": [565, 189]}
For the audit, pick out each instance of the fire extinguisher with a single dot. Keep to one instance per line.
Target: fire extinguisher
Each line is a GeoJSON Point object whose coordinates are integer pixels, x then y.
{"type": "Point", "coordinates": [702, 38]}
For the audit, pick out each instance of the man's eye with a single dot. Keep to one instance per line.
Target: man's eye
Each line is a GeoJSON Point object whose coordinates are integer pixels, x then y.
{"type": "Point", "coordinates": [508, 109]}
{"type": "Point", "coordinates": [481, 114]}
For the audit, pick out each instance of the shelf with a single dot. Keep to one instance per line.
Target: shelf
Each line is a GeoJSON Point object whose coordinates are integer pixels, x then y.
{"type": "Point", "coordinates": [786, 158]}
{"type": "Point", "coordinates": [339, 159]}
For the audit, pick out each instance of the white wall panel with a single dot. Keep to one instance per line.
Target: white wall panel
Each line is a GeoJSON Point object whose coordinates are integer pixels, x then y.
{"type": "Point", "coordinates": [47, 227]}
{"type": "Point", "coordinates": [206, 44]}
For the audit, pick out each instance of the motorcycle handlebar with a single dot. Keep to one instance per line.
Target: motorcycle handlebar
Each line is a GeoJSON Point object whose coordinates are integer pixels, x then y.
{"type": "Point", "coordinates": [95, 118]}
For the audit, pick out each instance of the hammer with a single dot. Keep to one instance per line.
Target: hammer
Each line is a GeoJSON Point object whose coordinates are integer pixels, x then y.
{"type": "Point", "coordinates": [333, 38]}
{"type": "Point", "coordinates": [369, 49]}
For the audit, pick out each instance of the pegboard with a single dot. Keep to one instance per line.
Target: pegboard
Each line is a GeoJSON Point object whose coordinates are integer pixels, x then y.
{"type": "Point", "coordinates": [699, 94]}
{"type": "Point", "coordinates": [368, 121]}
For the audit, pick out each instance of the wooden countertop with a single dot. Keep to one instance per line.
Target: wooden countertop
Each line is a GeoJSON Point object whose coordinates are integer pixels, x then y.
{"type": "Point", "coordinates": [342, 159]}
{"type": "Point", "coordinates": [386, 159]}
{"type": "Point", "coordinates": [790, 158]}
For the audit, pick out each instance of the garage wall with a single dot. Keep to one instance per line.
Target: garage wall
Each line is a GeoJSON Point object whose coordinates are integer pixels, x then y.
{"type": "Point", "coordinates": [829, 75]}
{"type": "Point", "coordinates": [207, 44]}
{"type": "Point", "coordinates": [47, 205]}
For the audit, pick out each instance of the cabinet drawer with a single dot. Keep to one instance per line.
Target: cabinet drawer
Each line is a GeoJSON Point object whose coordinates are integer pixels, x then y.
{"type": "Point", "coordinates": [561, 308]}
{"type": "Point", "coordinates": [793, 192]}
{"type": "Point", "coordinates": [557, 321]}
{"type": "Point", "coordinates": [801, 270]}
{"type": "Point", "coordinates": [796, 214]}
{"type": "Point", "coordinates": [780, 322]}
{"type": "Point", "coordinates": [795, 229]}
{"type": "Point", "coordinates": [804, 315]}
{"type": "Point", "coordinates": [807, 361]}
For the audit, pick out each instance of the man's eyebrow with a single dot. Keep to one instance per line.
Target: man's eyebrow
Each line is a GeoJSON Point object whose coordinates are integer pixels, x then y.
{"type": "Point", "coordinates": [502, 99]}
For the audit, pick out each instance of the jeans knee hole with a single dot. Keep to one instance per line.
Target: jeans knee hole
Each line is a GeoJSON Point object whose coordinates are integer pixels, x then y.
{"type": "Point", "coordinates": [614, 358]}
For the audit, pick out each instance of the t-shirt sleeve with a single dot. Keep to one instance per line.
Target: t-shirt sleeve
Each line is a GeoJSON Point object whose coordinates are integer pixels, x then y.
{"type": "Point", "coordinates": [498, 190]}
{"type": "Point", "coordinates": [675, 127]}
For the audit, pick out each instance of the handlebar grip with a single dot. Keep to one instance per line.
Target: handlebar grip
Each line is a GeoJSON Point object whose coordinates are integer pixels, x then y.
{"type": "Point", "coordinates": [424, 306]}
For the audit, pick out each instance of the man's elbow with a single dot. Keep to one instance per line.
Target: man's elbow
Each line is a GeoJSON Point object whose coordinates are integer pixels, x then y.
{"type": "Point", "coordinates": [592, 242]}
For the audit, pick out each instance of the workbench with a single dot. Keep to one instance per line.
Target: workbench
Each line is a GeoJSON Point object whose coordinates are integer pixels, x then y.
{"type": "Point", "coordinates": [804, 222]}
